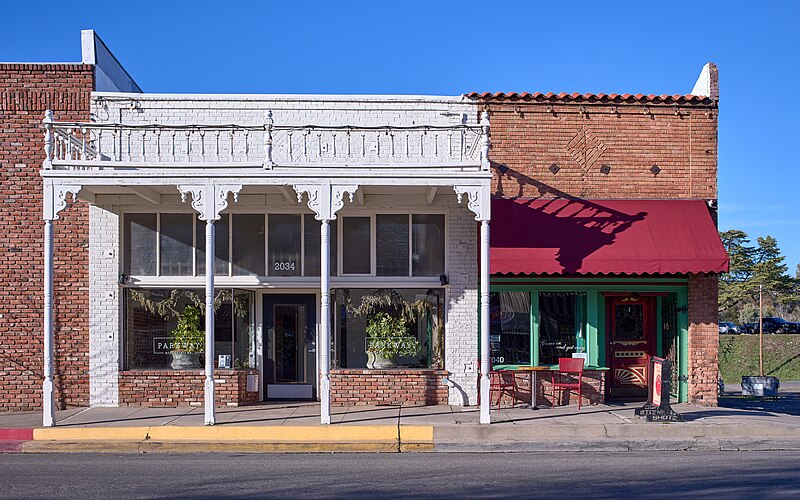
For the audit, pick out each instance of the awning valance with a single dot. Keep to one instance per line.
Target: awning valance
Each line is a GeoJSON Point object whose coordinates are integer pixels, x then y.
{"type": "Point", "coordinates": [562, 236]}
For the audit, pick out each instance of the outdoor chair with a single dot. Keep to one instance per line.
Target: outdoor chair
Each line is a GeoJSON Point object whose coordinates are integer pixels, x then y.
{"type": "Point", "coordinates": [502, 382]}
{"type": "Point", "coordinates": [569, 369]}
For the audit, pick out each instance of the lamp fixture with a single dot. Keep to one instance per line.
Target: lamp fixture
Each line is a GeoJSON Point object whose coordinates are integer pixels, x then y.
{"type": "Point", "coordinates": [122, 279]}
{"type": "Point", "coordinates": [443, 280]}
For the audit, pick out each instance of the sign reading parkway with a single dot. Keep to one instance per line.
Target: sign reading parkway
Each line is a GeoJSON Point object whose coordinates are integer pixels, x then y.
{"type": "Point", "coordinates": [166, 345]}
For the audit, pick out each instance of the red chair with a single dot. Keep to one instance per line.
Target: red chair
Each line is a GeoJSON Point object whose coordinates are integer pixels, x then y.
{"type": "Point", "coordinates": [568, 370]}
{"type": "Point", "coordinates": [502, 382]}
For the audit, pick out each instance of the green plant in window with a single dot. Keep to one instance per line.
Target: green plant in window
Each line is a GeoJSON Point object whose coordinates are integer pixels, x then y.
{"type": "Point", "coordinates": [187, 335]}
{"type": "Point", "coordinates": [389, 336]}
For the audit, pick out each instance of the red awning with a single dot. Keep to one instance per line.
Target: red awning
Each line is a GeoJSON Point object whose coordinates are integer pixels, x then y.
{"type": "Point", "coordinates": [560, 236]}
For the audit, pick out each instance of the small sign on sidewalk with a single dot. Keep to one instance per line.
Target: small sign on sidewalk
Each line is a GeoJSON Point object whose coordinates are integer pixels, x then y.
{"type": "Point", "coordinates": [657, 408]}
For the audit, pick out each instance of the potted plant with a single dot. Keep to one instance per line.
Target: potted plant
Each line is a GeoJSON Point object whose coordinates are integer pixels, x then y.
{"type": "Point", "coordinates": [187, 339]}
{"type": "Point", "coordinates": [387, 338]}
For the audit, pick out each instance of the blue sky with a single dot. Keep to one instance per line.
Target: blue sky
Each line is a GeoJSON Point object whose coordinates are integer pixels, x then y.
{"type": "Point", "coordinates": [438, 47]}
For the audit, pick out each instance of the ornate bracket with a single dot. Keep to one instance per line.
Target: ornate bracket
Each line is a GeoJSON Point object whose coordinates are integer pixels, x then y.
{"type": "Point", "coordinates": [55, 198]}
{"type": "Point", "coordinates": [210, 199]}
{"type": "Point", "coordinates": [325, 199]}
{"type": "Point", "coordinates": [479, 200]}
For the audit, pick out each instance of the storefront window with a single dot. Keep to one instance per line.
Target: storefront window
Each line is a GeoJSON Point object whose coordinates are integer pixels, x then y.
{"type": "Point", "coordinates": [140, 244]}
{"type": "Point", "coordinates": [357, 241]}
{"type": "Point", "coordinates": [222, 245]}
{"type": "Point", "coordinates": [510, 328]}
{"type": "Point", "coordinates": [248, 245]}
{"type": "Point", "coordinates": [392, 244]}
{"type": "Point", "coordinates": [427, 253]}
{"type": "Point", "coordinates": [561, 325]}
{"type": "Point", "coordinates": [356, 308]}
{"type": "Point", "coordinates": [312, 246]}
{"type": "Point", "coordinates": [284, 245]}
{"type": "Point", "coordinates": [175, 244]}
{"type": "Point", "coordinates": [162, 322]}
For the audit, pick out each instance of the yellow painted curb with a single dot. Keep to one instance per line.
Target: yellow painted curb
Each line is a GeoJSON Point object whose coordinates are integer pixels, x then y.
{"type": "Point", "coordinates": [270, 434]}
{"type": "Point", "coordinates": [90, 434]}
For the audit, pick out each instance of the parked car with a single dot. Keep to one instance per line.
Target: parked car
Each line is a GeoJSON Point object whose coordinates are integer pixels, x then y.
{"type": "Point", "coordinates": [772, 324]}
{"type": "Point", "coordinates": [728, 327]}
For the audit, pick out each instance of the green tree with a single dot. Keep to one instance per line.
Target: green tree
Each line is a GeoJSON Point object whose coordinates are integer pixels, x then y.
{"type": "Point", "coordinates": [770, 271]}
{"type": "Point", "coordinates": [735, 286]}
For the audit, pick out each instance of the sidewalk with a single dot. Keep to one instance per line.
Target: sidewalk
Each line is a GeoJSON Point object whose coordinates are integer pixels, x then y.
{"type": "Point", "coordinates": [736, 424]}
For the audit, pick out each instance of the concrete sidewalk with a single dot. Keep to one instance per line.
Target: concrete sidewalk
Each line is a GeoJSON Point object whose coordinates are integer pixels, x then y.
{"type": "Point", "coordinates": [737, 423]}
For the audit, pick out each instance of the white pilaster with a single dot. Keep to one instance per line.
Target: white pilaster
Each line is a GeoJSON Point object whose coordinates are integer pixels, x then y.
{"type": "Point", "coordinates": [325, 200]}
{"type": "Point", "coordinates": [480, 203]}
{"type": "Point", "coordinates": [54, 200]}
{"type": "Point", "coordinates": [209, 200]}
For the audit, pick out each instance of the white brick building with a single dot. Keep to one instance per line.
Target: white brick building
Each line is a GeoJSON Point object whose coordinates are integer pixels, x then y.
{"type": "Point", "coordinates": [389, 187]}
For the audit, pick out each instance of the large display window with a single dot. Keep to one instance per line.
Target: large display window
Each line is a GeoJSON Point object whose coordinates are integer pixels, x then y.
{"type": "Point", "coordinates": [164, 328]}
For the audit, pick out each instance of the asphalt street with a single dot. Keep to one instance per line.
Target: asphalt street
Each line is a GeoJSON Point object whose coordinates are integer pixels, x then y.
{"type": "Point", "coordinates": [386, 476]}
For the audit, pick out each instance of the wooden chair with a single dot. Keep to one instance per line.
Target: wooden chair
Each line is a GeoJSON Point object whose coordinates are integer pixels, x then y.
{"type": "Point", "coordinates": [502, 382]}
{"type": "Point", "coordinates": [568, 370]}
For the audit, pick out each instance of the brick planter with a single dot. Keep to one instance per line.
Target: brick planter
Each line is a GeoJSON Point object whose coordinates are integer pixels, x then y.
{"type": "Point", "coordinates": [350, 387]}
{"type": "Point", "coordinates": [183, 387]}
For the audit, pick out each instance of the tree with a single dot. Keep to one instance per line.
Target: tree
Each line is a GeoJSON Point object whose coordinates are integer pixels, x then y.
{"type": "Point", "coordinates": [735, 286]}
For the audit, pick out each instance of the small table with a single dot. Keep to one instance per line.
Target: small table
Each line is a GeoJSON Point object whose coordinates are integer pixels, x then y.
{"type": "Point", "coordinates": [533, 370]}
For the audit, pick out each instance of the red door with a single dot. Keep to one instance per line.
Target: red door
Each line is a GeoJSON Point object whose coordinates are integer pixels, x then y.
{"type": "Point", "coordinates": [631, 342]}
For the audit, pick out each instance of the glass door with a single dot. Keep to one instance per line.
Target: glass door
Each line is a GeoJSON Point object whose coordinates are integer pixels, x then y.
{"type": "Point", "coordinates": [290, 346]}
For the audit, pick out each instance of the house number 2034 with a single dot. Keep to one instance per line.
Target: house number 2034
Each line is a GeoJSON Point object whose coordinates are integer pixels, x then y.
{"type": "Point", "coordinates": [284, 266]}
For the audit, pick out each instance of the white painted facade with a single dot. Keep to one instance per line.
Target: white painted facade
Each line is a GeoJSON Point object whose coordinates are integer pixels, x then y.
{"type": "Point", "coordinates": [254, 154]}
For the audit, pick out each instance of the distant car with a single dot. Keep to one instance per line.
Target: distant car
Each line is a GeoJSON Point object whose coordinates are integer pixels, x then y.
{"type": "Point", "coordinates": [727, 327]}
{"type": "Point", "coordinates": [772, 325]}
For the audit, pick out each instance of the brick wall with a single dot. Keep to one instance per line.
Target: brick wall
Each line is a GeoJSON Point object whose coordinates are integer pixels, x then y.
{"type": "Point", "coordinates": [385, 387]}
{"type": "Point", "coordinates": [581, 135]}
{"type": "Point", "coordinates": [183, 387]}
{"type": "Point", "coordinates": [703, 339]}
{"type": "Point", "coordinates": [26, 91]}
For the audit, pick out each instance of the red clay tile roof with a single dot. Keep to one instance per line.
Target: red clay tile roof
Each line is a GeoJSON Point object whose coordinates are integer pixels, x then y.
{"type": "Point", "coordinates": [576, 97]}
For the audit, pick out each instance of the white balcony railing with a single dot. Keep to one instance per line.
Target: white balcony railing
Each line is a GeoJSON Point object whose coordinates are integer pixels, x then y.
{"type": "Point", "coordinates": [112, 145]}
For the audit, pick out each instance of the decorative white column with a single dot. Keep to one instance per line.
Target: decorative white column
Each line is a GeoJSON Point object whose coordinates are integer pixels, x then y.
{"type": "Point", "coordinates": [325, 200]}
{"type": "Point", "coordinates": [480, 203]}
{"type": "Point", "coordinates": [324, 324]}
{"type": "Point", "coordinates": [54, 200]}
{"type": "Point", "coordinates": [209, 200]}
{"type": "Point", "coordinates": [484, 321]}
{"type": "Point", "coordinates": [209, 392]}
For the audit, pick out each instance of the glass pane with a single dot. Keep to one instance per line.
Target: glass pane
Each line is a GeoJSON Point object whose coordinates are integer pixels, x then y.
{"type": "Point", "coordinates": [284, 245]}
{"type": "Point", "coordinates": [629, 321]}
{"type": "Point", "coordinates": [561, 325]}
{"type": "Point", "coordinates": [248, 244]}
{"type": "Point", "coordinates": [158, 320]}
{"type": "Point", "coordinates": [427, 233]}
{"type": "Point", "coordinates": [244, 329]}
{"type": "Point", "coordinates": [312, 246]}
{"type": "Point", "coordinates": [221, 246]}
{"type": "Point", "coordinates": [510, 328]}
{"type": "Point", "coordinates": [140, 244]}
{"type": "Point", "coordinates": [424, 332]}
{"type": "Point", "coordinates": [356, 254]}
{"type": "Point", "coordinates": [290, 329]}
{"type": "Point", "coordinates": [175, 242]}
{"type": "Point", "coordinates": [392, 245]}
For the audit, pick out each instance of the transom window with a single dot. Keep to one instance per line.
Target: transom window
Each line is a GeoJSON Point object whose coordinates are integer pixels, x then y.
{"type": "Point", "coordinates": [286, 245]}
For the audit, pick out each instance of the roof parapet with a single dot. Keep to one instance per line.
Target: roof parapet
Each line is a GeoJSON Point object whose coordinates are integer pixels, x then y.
{"type": "Point", "coordinates": [707, 83]}
{"type": "Point", "coordinates": [110, 75]}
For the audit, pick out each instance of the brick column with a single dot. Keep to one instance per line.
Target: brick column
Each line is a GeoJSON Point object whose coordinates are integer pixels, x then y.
{"type": "Point", "coordinates": [703, 339]}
